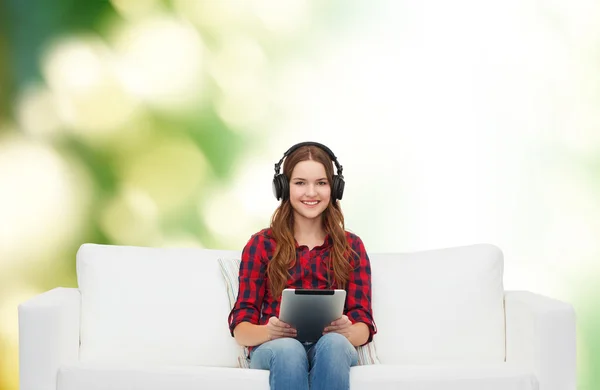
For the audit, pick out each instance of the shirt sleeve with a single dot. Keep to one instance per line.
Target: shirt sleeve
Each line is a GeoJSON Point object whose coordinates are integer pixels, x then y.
{"type": "Point", "coordinates": [252, 279]}
{"type": "Point", "coordinates": [358, 302]}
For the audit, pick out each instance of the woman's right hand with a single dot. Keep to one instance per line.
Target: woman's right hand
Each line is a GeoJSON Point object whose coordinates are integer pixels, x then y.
{"type": "Point", "coordinates": [278, 329]}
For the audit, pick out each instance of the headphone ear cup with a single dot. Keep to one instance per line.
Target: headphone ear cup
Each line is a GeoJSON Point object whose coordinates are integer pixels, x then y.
{"type": "Point", "coordinates": [285, 187]}
{"type": "Point", "coordinates": [280, 187]}
{"type": "Point", "coordinates": [338, 187]}
{"type": "Point", "coordinates": [276, 189]}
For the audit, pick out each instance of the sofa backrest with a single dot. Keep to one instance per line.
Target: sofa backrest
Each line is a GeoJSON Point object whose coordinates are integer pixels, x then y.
{"type": "Point", "coordinates": [154, 305]}
{"type": "Point", "coordinates": [439, 306]}
{"type": "Point", "coordinates": [170, 306]}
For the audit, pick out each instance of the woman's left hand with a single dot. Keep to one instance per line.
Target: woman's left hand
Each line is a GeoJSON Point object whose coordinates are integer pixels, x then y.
{"type": "Point", "coordinates": [342, 326]}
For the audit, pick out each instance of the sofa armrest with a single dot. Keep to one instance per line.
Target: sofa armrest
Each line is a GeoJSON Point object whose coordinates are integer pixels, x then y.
{"type": "Point", "coordinates": [48, 337]}
{"type": "Point", "coordinates": [540, 334]}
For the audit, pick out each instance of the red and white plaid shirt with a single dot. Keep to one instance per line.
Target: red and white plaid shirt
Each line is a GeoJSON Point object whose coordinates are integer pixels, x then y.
{"type": "Point", "coordinates": [256, 304]}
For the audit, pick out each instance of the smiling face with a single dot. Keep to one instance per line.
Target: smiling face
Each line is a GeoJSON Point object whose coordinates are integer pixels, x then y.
{"type": "Point", "coordinates": [310, 191]}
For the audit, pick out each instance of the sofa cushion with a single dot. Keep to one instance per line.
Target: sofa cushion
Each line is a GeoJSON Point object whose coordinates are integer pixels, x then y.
{"type": "Point", "coordinates": [439, 306]}
{"type": "Point", "coordinates": [154, 305]}
{"type": "Point", "coordinates": [230, 269]}
{"type": "Point", "coordinates": [450, 377]}
{"type": "Point", "coordinates": [381, 377]}
{"type": "Point", "coordinates": [151, 377]}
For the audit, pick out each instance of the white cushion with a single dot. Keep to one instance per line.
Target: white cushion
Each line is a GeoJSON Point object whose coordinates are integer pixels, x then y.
{"type": "Point", "coordinates": [440, 306]}
{"type": "Point", "coordinates": [230, 269]}
{"type": "Point", "coordinates": [381, 377]}
{"type": "Point", "coordinates": [451, 377]}
{"type": "Point", "coordinates": [150, 377]}
{"type": "Point", "coordinates": [154, 305]}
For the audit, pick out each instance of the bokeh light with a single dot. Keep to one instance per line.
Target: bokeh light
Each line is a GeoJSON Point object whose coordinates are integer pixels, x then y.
{"type": "Point", "coordinates": [240, 69]}
{"type": "Point", "coordinates": [160, 60]}
{"type": "Point", "coordinates": [283, 17]}
{"type": "Point", "coordinates": [138, 9]}
{"type": "Point", "coordinates": [37, 112]}
{"type": "Point", "coordinates": [169, 170]}
{"type": "Point", "coordinates": [131, 218]}
{"type": "Point", "coordinates": [90, 97]}
{"type": "Point", "coordinates": [42, 202]}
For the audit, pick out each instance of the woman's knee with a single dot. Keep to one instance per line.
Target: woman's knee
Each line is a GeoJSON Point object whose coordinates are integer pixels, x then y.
{"type": "Point", "coordinates": [336, 345]}
{"type": "Point", "coordinates": [279, 351]}
{"type": "Point", "coordinates": [287, 346]}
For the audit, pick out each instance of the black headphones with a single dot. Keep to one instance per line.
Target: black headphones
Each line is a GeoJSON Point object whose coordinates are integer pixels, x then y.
{"type": "Point", "coordinates": [281, 188]}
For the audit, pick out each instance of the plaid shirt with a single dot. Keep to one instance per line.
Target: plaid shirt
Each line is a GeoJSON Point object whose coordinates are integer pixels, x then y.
{"type": "Point", "coordinates": [255, 303]}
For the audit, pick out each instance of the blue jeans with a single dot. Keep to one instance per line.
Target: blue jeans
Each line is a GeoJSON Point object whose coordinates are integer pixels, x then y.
{"type": "Point", "coordinates": [296, 366]}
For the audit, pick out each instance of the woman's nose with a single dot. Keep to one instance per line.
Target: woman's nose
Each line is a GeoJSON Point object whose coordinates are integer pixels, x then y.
{"type": "Point", "coordinates": [311, 190]}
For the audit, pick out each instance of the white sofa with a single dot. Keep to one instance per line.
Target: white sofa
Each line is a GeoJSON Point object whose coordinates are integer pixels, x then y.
{"type": "Point", "coordinates": [149, 318]}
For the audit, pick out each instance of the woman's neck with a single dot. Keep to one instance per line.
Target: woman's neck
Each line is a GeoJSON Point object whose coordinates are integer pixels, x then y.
{"type": "Point", "coordinates": [310, 233]}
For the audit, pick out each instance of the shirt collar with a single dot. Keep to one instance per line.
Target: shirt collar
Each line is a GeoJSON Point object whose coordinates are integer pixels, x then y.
{"type": "Point", "coordinates": [328, 242]}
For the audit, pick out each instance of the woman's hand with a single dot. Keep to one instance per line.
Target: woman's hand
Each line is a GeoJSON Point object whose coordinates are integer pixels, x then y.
{"type": "Point", "coordinates": [277, 329]}
{"type": "Point", "coordinates": [342, 326]}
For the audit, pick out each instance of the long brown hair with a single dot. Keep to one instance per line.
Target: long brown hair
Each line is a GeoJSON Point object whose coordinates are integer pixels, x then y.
{"type": "Point", "coordinates": [282, 227]}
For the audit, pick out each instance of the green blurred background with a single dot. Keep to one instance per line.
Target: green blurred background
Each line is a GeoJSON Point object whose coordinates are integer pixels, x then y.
{"type": "Point", "coordinates": [157, 123]}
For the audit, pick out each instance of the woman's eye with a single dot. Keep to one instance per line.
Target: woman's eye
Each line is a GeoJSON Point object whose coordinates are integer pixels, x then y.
{"type": "Point", "coordinates": [299, 183]}
{"type": "Point", "coordinates": [322, 183]}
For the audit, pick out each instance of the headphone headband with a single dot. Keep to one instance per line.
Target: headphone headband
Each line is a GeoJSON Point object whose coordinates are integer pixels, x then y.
{"type": "Point", "coordinates": [301, 144]}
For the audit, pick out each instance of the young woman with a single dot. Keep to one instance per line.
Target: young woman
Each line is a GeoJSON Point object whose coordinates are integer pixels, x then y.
{"type": "Point", "coordinates": [306, 246]}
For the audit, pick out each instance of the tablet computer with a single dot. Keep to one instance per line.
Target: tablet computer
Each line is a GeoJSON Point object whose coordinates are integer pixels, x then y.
{"type": "Point", "coordinates": [310, 311]}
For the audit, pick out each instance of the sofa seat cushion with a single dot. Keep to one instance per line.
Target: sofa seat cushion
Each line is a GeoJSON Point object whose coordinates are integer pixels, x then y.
{"type": "Point", "coordinates": [96, 376]}
{"type": "Point", "coordinates": [447, 377]}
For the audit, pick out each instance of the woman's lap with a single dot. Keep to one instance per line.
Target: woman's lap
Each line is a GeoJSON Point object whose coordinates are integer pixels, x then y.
{"type": "Point", "coordinates": [294, 365]}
